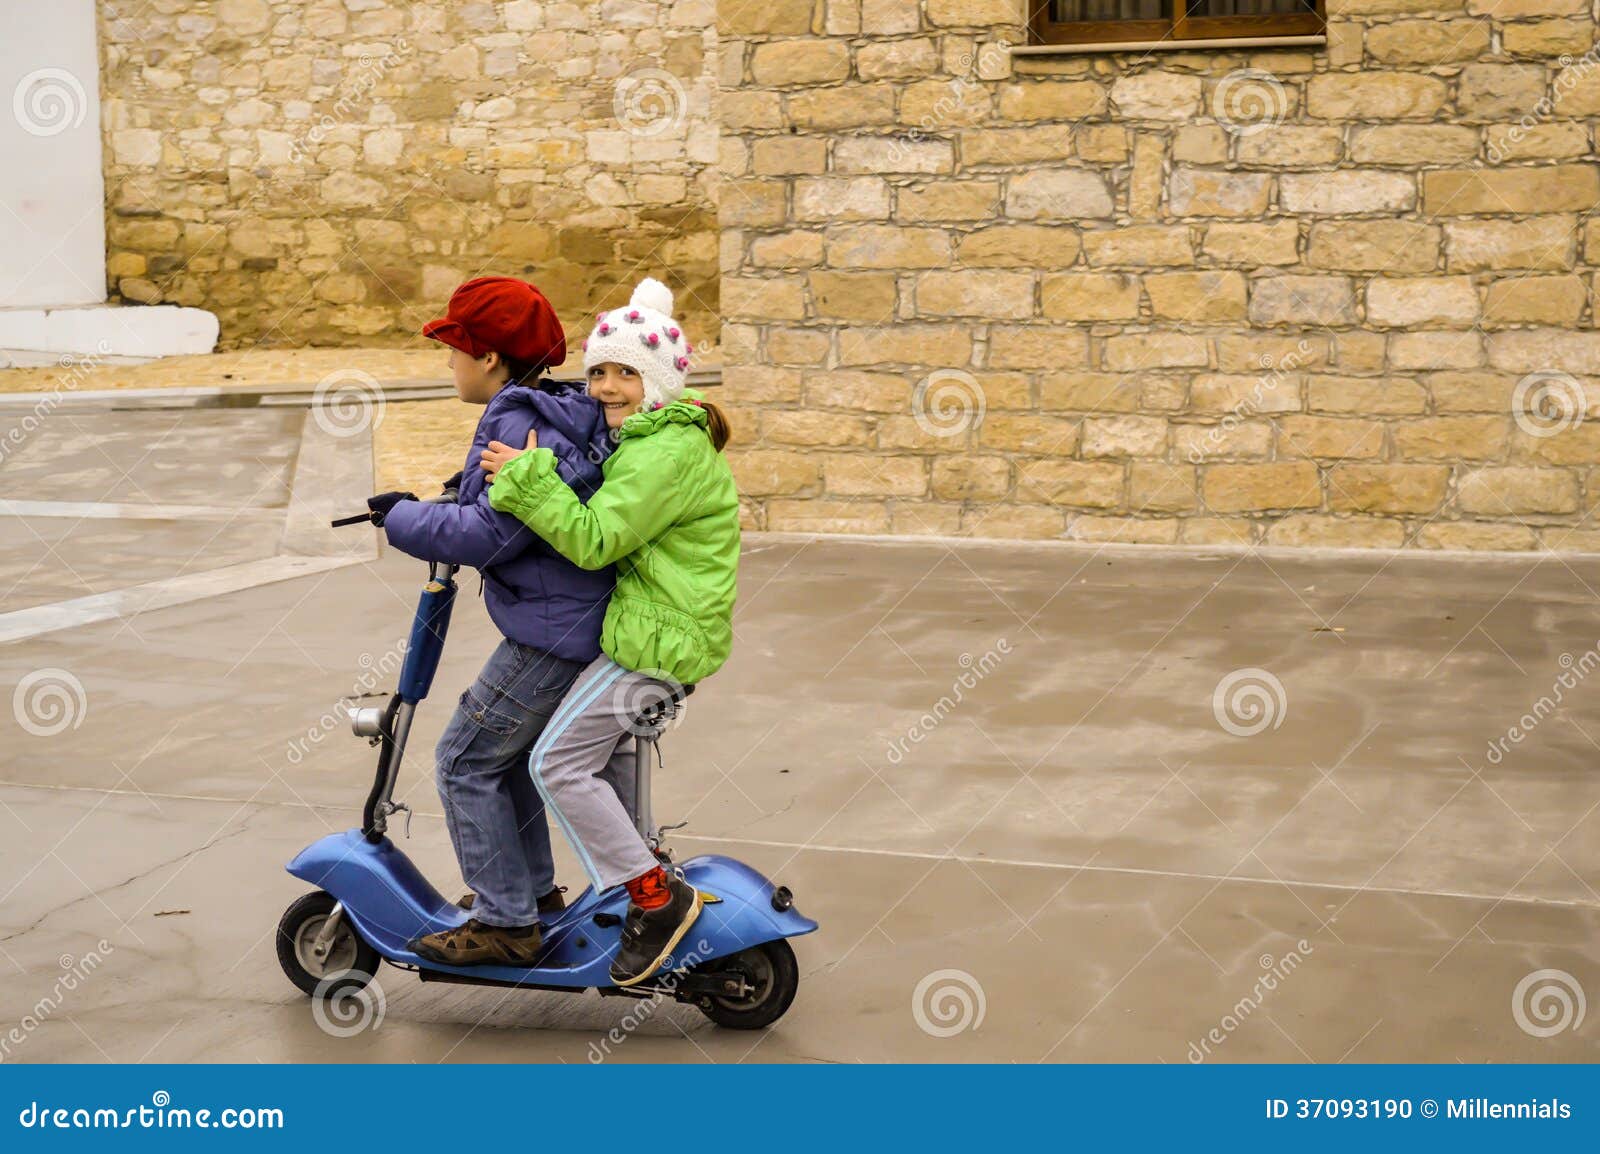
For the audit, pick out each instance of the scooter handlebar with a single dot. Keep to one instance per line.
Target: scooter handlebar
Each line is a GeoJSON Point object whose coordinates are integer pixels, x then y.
{"type": "Point", "coordinates": [448, 497]}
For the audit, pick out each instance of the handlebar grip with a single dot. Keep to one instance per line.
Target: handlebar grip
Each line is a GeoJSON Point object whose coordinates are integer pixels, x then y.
{"type": "Point", "coordinates": [448, 497]}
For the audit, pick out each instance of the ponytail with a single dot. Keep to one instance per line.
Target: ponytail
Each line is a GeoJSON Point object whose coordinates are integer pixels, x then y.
{"type": "Point", "coordinates": [716, 425]}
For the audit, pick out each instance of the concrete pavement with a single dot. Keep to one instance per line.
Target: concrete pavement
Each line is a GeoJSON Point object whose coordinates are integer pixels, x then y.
{"type": "Point", "coordinates": [1048, 802]}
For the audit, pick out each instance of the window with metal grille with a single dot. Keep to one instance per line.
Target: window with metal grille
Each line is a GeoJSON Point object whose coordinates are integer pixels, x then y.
{"type": "Point", "coordinates": [1104, 21]}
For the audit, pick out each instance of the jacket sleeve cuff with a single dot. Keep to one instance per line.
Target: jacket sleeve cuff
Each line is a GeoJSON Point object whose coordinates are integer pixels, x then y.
{"type": "Point", "coordinates": [524, 482]}
{"type": "Point", "coordinates": [400, 525]}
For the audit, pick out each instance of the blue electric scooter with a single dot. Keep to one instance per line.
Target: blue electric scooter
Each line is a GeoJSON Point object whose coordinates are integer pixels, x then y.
{"type": "Point", "coordinates": [735, 963]}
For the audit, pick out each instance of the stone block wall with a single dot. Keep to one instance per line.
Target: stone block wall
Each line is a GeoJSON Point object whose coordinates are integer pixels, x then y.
{"type": "Point", "coordinates": [1335, 296]}
{"type": "Point", "coordinates": [326, 172]}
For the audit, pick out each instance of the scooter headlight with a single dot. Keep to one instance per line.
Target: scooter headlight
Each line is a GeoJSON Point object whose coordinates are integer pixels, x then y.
{"type": "Point", "coordinates": [367, 721]}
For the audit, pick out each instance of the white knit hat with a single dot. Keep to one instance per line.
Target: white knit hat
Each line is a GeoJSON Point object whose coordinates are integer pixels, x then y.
{"type": "Point", "coordinates": [643, 336]}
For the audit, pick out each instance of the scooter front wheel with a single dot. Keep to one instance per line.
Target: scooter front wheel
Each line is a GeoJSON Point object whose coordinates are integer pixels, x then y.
{"type": "Point", "coordinates": [344, 964]}
{"type": "Point", "coordinates": [773, 975]}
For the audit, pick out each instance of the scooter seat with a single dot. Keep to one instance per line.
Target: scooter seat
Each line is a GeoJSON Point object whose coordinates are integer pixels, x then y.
{"type": "Point", "coordinates": [660, 706]}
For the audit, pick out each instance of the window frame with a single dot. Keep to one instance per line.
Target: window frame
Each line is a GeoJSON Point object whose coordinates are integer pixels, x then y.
{"type": "Point", "coordinates": [1179, 26]}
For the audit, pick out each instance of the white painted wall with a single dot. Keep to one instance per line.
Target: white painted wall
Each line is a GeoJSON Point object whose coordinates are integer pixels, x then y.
{"type": "Point", "coordinates": [52, 218]}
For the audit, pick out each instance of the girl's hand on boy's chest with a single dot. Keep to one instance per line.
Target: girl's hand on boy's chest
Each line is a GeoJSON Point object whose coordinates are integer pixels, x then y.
{"type": "Point", "coordinates": [492, 459]}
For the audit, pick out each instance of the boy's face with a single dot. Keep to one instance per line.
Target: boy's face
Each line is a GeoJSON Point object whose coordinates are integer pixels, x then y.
{"type": "Point", "coordinates": [617, 387]}
{"type": "Point", "coordinates": [478, 379]}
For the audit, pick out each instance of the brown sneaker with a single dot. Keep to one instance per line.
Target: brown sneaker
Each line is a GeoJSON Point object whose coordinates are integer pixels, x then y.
{"type": "Point", "coordinates": [551, 903]}
{"type": "Point", "coordinates": [474, 944]}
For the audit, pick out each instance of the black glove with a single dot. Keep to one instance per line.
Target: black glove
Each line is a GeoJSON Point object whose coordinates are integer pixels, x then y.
{"type": "Point", "coordinates": [453, 484]}
{"type": "Point", "coordinates": [383, 503]}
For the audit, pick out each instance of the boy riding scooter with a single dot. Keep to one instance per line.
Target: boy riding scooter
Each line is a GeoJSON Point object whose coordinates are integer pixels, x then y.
{"type": "Point", "coordinates": [503, 334]}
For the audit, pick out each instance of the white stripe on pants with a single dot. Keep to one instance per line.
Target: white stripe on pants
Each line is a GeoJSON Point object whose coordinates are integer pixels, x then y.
{"type": "Point", "coordinates": [570, 761]}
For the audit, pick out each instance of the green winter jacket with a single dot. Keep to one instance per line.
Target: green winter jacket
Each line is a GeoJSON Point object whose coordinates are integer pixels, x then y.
{"type": "Point", "coordinates": [667, 515]}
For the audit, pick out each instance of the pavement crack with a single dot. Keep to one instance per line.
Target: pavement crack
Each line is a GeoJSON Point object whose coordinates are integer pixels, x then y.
{"type": "Point", "coordinates": [244, 825]}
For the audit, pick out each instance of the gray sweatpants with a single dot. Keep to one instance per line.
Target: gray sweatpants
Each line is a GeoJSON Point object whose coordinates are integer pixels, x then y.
{"type": "Point", "coordinates": [588, 733]}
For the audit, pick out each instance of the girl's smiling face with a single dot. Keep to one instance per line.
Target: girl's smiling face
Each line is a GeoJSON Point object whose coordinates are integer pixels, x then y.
{"type": "Point", "coordinates": [617, 387]}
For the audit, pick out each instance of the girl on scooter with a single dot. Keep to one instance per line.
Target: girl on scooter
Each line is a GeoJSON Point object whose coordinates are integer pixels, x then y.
{"type": "Point", "coordinates": [502, 335]}
{"type": "Point", "coordinates": [668, 518]}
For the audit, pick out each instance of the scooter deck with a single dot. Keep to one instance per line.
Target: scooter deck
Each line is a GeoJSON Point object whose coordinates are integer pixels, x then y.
{"type": "Point", "coordinates": [391, 904]}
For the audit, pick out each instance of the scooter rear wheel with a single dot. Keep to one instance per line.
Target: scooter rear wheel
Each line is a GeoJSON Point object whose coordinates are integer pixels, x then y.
{"type": "Point", "coordinates": [350, 961]}
{"type": "Point", "coordinates": [771, 970]}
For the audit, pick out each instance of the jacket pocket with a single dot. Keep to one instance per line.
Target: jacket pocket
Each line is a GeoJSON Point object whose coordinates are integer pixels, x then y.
{"type": "Point", "coordinates": [491, 710]}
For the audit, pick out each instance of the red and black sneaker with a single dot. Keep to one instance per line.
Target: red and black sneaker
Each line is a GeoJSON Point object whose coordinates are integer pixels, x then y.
{"type": "Point", "coordinates": [650, 935]}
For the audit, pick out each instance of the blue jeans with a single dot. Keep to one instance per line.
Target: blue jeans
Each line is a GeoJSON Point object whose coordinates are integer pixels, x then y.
{"type": "Point", "coordinates": [495, 815]}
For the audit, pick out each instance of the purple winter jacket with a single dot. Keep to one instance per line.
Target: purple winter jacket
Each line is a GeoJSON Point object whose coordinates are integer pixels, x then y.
{"type": "Point", "coordinates": [533, 594]}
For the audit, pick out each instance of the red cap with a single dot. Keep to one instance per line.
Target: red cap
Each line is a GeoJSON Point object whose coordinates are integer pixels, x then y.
{"type": "Point", "coordinates": [503, 315]}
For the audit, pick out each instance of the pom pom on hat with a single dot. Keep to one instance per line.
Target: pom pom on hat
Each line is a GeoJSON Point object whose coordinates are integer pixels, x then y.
{"type": "Point", "coordinates": [652, 294]}
{"type": "Point", "coordinates": [663, 369]}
